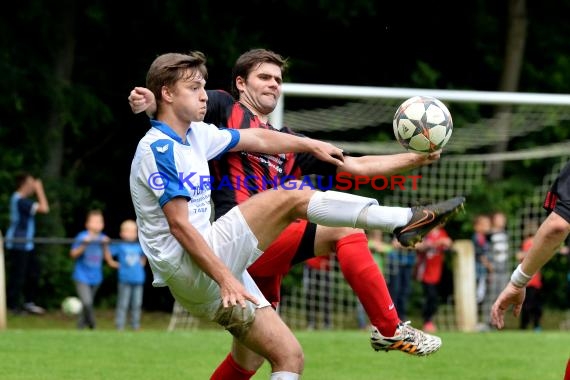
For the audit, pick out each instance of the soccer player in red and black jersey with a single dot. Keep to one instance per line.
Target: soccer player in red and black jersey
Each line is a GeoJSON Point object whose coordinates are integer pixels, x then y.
{"type": "Point", "coordinates": [256, 84]}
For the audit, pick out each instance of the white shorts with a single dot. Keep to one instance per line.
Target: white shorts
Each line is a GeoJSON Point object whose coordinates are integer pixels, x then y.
{"type": "Point", "coordinates": [234, 243]}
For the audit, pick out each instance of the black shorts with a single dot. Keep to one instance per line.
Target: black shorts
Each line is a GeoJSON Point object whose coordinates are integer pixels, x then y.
{"type": "Point", "coordinates": [558, 197]}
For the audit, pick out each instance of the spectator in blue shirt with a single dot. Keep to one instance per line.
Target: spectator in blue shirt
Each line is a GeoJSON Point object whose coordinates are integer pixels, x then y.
{"type": "Point", "coordinates": [89, 249]}
{"type": "Point", "coordinates": [22, 260]}
{"type": "Point", "coordinates": [131, 274]}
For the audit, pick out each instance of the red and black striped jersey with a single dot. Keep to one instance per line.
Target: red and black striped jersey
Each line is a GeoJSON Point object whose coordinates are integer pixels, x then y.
{"type": "Point", "coordinates": [239, 175]}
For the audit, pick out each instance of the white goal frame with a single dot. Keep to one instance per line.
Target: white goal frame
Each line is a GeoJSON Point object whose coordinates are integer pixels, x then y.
{"type": "Point", "coordinates": [364, 92]}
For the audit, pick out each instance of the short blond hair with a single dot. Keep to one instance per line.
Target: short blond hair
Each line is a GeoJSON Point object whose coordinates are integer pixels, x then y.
{"type": "Point", "coordinates": [128, 223]}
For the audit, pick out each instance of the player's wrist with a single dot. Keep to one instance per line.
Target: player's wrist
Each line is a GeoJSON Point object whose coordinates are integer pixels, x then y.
{"type": "Point", "coordinates": [519, 278]}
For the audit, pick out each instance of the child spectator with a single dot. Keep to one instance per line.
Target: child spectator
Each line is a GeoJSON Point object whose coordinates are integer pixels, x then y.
{"type": "Point", "coordinates": [429, 268]}
{"type": "Point", "coordinates": [89, 249]}
{"type": "Point", "coordinates": [131, 276]}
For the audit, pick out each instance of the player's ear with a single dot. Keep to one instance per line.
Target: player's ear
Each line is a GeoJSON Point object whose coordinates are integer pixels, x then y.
{"type": "Point", "coordinates": [240, 83]}
{"type": "Point", "coordinates": [166, 94]}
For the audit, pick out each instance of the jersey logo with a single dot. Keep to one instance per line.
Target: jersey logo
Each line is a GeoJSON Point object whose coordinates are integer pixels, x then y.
{"type": "Point", "coordinates": [162, 149]}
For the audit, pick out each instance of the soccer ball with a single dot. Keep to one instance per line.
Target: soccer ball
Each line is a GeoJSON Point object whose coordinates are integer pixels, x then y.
{"type": "Point", "coordinates": [422, 124]}
{"type": "Point", "coordinates": [71, 306]}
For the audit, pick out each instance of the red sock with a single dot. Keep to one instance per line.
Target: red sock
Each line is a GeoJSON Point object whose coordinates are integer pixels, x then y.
{"type": "Point", "coordinates": [567, 374]}
{"type": "Point", "coordinates": [366, 279]}
{"type": "Point", "coordinates": [229, 369]}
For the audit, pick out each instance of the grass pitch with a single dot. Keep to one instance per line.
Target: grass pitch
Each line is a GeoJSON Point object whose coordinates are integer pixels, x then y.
{"type": "Point", "coordinates": [60, 353]}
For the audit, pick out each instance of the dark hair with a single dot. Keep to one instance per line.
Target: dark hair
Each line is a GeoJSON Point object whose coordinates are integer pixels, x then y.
{"type": "Point", "coordinates": [169, 68]}
{"type": "Point", "coordinates": [250, 60]}
{"type": "Point", "coordinates": [21, 178]}
{"type": "Point", "coordinates": [94, 212]}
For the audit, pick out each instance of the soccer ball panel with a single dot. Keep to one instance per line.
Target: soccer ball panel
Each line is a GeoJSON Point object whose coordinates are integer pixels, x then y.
{"type": "Point", "coordinates": [420, 143]}
{"type": "Point", "coordinates": [434, 114]}
{"type": "Point", "coordinates": [437, 134]}
{"type": "Point", "coordinates": [406, 128]}
{"type": "Point", "coordinates": [415, 111]}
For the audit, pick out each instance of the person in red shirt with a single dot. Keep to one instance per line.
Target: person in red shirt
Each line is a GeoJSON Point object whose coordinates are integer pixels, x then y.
{"type": "Point", "coordinates": [532, 306]}
{"type": "Point", "coordinates": [429, 268]}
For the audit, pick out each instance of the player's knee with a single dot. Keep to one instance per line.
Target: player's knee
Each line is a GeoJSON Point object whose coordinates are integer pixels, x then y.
{"type": "Point", "coordinates": [294, 195]}
{"type": "Point", "coordinates": [290, 357]}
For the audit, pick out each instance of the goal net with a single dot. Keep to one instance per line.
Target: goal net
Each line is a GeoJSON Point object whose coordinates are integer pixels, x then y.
{"type": "Point", "coordinates": [359, 120]}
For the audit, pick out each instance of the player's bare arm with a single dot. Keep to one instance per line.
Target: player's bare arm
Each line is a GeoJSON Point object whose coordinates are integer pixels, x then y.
{"type": "Point", "coordinates": [387, 164]}
{"type": "Point", "coordinates": [547, 240]}
{"type": "Point", "coordinates": [272, 142]}
{"type": "Point", "coordinates": [43, 205]}
{"type": "Point", "coordinates": [231, 290]}
{"type": "Point", "coordinates": [107, 255]}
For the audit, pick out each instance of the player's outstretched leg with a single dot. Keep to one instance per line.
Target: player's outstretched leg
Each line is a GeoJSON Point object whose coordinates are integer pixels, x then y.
{"type": "Point", "coordinates": [425, 218]}
{"type": "Point", "coordinates": [406, 339]}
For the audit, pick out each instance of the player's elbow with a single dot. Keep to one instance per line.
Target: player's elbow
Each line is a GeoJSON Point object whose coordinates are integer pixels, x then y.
{"type": "Point", "coordinates": [43, 209]}
{"type": "Point", "coordinates": [177, 227]}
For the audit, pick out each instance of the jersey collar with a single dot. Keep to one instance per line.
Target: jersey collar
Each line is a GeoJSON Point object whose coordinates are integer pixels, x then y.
{"type": "Point", "coordinates": [164, 128]}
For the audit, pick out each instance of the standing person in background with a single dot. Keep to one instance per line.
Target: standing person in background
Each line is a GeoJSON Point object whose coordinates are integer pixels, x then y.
{"type": "Point", "coordinates": [532, 305]}
{"type": "Point", "coordinates": [131, 276]}
{"type": "Point", "coordinates": [499, 256]}
{"type": "Point", "coordinates": [89, 249]}
{"type": "Point", "coordinates": [317, 279]}
{"type": "Point", "coordinates": [429, 268]}
{"type": "Point", "coordinates": [22, 260]}
{"type": "Point", "coordinates": [401, 263]}
{"type": "Point", "coordinates": [483, 265]}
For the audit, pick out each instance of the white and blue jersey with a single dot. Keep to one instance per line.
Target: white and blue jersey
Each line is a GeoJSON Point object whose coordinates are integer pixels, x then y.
{"type": "Point", "coordinates": [22, 223]}
{"type": "Point", "coordinates": [165, 167]}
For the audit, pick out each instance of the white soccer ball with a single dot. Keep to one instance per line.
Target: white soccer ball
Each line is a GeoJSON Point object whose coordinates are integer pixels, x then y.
{"type": "Point", "coordinates": [71, 306]}
{"type": "Point", "coordinates": [422, 124]}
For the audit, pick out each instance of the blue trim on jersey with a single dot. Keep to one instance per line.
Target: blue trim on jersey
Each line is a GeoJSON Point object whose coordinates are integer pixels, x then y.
{"type": "Point", "coordinates": [164, 128]}
{"type": "Point", "coordinates": [233, 142]}
{"type": "Point", "coordinates": [163, 151]}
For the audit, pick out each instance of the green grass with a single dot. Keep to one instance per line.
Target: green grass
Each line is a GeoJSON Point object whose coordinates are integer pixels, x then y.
{"type": "Point", "coordinates": [57, 351]}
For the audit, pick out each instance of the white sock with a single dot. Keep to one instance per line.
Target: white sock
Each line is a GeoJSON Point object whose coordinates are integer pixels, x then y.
{"type": "Point", "coordinates": [336, 209]}
{"type": "Point", "coordinates": [387, 218]}
{"type": "Point", "coordinates": [284, 375]}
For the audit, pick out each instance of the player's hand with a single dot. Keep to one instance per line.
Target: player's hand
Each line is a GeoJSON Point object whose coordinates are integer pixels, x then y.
{"type": "Point", "coordinates": [427, 159]}
{"type": "Point", "coordinates": [38, 184]}
{"type": "Point", "coordinates": [142, 99]}
{"type": "Point", "coordinates": [511, 295]}
{"type": "Point", "coordinates": [234, 293]}
{"type": "Point", "coordinates": [327, 152]}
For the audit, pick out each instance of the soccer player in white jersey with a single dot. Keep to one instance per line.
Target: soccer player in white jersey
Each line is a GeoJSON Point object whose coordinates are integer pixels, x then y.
{"type": "Point", "coordinates": [203, 263]}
